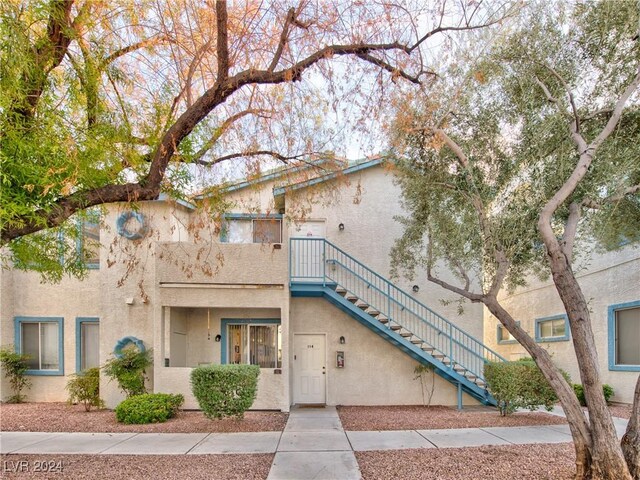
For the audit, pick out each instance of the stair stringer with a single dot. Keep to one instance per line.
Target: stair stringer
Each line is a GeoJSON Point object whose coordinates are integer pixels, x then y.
{"type": "Point", "coordinates": [327, 291]}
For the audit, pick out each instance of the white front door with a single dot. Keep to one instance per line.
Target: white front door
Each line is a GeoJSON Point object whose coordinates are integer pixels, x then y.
{"type": "Point", "coordinates": [309, 365]}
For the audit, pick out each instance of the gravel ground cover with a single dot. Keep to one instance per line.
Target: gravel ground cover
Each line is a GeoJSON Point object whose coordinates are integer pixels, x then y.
{"type": "Point", "coordinates": [426, 418]}
{"type": "Point", "coordinates": [137, 467]}
{"type": "Point", "coordinates": [620, 410]}
{"type": "Point", "coordinates": [522, 462]}
{"type": "Point", "coordinates": [61, 417]}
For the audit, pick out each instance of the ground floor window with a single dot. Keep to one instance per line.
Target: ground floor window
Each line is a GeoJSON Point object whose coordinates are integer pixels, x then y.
{"type": "Point", "coordinates": [41, 339]}
{"type": "Point", "coordinates": [253, 342]}
{"type": "Point", "coordinates": [87, 343]}
{"type": "Point", "coordinates": [624, 336]}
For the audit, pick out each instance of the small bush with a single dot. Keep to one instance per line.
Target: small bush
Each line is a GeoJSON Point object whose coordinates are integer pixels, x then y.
{"type": "Point", "coordinates": [129, 370]}
{"type": "Point", "coordinates": [607, 391]}
{"type": "Point", "coordinates": [518, 384]}
{"type": "Point", "coordinates": [148, 408]}
{"type": "Point", "coordinates": [225, 390]}
{"type": "Point", "coordinates": [15, 367]}
{"type": "Point", "coordinates": [84, 387]}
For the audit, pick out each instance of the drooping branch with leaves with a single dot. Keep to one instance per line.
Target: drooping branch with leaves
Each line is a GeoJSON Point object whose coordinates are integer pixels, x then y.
{"type": "Point", "coordinates": [107, 102]}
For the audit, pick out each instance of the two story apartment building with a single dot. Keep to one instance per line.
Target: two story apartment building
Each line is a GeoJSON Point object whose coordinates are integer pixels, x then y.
{"type": "Point", "coordinates": [291, 275]}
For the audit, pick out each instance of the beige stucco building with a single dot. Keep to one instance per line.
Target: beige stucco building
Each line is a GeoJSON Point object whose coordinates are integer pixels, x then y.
{"type": "Point", "coordinates": [291, 276]}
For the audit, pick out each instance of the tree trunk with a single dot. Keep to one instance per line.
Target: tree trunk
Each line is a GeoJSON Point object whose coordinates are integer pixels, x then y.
{"type": "Point", "coordinates": [607, 459]}
{"type": "Point", "coordinates": [631, 440]}
{"type": "Point", "coordinates": [575, 416]}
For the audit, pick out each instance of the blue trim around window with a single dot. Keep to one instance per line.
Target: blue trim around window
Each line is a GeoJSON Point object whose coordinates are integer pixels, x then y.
{"type": "Point", "coordinates": [225, 322]}
{"type": "Point", "coordinates": [504, 342]}
{"type": "Point", "coordinates": [567, 331]}
{"type": "Point", "coordinates": [18, 321]}
{"type": "Point", "coordinates": [79, 322]}
{"type": "Point", "coordinates": [224, 230]}
{"type": "Point", "coordinates": [611, 314]}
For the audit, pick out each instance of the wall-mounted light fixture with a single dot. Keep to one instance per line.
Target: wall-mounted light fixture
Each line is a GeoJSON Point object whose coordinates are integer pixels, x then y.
{"type": "Point", "coordinates": [218, 337]}
{"type": "Point", "coordinates": [415, 289]}
{"type": "Point", "coordinates": [341, 227]}
{"type": "Point", "coordinates": [342, 341]}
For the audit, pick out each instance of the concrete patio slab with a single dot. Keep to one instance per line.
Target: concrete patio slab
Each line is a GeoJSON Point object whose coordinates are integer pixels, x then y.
{"type": "Point", "coordinates": [76, 443]}
{"type": "Point", "coordinates": [157, 444]}
{"type": "Point", "coordinates": [319, 466]}
{"type": "Point", "coordinates": [252, 442]}
{"type": "Point", "coordinates": [461, 437]}
{"type": "Point", "coordinates": [526, 435]}
{"type": "Point", "coordinates": [12, 441]}
{"type": "Point", "coordinates": [313, 424]}
{"type": "Point", "coordinates": [313, 441]}
{"type": "Point", "coordinates": [387, 440]}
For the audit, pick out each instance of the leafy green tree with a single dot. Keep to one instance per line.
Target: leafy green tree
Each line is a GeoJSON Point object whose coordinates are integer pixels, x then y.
{"type": "Point", "coordinates": [104, 102]}
{"type": "Point", "coordinates": [507, 172]}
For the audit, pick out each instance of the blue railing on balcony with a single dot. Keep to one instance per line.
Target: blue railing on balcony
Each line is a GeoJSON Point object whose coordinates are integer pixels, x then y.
{"type": "Point", "coordinates": [318, 260]}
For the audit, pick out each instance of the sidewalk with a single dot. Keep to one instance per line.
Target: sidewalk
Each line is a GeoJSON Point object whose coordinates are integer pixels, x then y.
{"type": "Point", "coordinates": [312, 445]}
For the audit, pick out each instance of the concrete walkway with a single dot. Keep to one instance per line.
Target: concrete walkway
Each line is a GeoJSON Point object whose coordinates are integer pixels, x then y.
{"type": "Point", "coordinates": [312, 445]}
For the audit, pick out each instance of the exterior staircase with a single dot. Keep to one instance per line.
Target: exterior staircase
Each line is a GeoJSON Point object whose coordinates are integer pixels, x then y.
{"type": "Point", "coordinates": [317, 268]}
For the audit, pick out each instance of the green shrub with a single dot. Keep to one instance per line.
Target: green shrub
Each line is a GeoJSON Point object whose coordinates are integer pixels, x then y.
{"type": "Point", "coordinates": [607, 391]}
{"type": "Point", "coordinates": [225, 390]}
{"type": "Point", "coordinates": [15, 367]}
{"type": "Point", "coordinates": [129, 370]}
{"type": "Point", "coordinates": [85, 387]}
{"type": "Point", "coordinates": [518, 384]}
{"type": "Point", "coordinates": [149, 408]}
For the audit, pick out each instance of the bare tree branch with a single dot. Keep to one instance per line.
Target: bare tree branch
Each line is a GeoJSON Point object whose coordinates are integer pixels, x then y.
{"type": "Point", "coordinates": [283, 39]}
{"type": "Point", "coordinates": [222, 45]}
{"type": "Point", "coordinates": [474, 297]}
{"type": "Point", "coordinates": [393, 70]}
{"type": "Point", "coordinates": [149, 42]}
{"type": "Point", "coordinates": [220, 131]}
{"type": "Point", "coordinates": [252, 153]}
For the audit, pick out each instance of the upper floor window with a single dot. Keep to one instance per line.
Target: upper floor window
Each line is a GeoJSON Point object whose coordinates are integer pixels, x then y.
{"type": "Point", "coordinates": [89, 242]}
{"type": "Point", "coordinates": [41, 339]}
{"type": "Point", "coordinates": [552, 329]}
{"type": "Point", "coordinates": [247, 228]}
{"type": "Point", "coordinates": [504, 336]}
{"type": "Point", "coordinates": [624, 336]}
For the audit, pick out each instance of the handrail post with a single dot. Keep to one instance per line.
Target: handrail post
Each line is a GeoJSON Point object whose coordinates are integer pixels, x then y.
{"type": "Point", "coordinates": [324, 263]}
{"type": "Point", "coordinates": [389, 304]}
{"type": "Point", "coordinates": [451, 346]}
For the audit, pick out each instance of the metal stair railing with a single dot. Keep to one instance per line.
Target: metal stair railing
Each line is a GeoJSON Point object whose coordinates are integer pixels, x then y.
{"type": "Point", "coordinates": [318, 260]}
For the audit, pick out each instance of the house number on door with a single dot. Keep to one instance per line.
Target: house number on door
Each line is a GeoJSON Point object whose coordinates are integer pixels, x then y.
{"type": "Point", "coordinates": [309, 346]}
